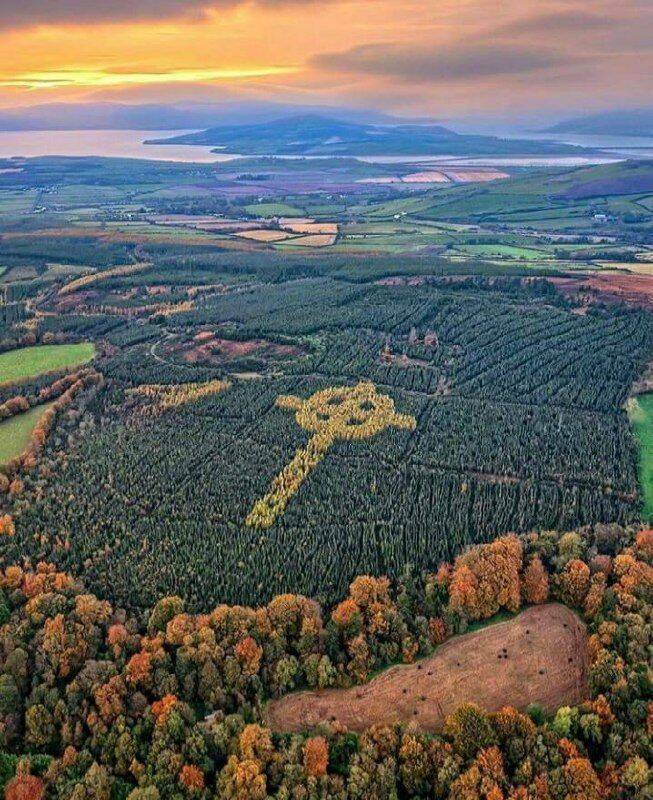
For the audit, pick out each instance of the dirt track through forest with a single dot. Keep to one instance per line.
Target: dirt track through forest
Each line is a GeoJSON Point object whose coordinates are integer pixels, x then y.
{"type": "Point", "coordinates": [539, 656]}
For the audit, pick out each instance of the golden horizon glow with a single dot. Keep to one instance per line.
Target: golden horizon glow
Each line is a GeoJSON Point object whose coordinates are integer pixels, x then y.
{"type": "Point", "coordinates": [58, 79]}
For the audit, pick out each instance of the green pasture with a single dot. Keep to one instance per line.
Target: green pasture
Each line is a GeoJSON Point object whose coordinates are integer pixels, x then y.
{"type": "Point", "coordinates": [502, 251]}
{"type": "Point", "coordinates": [28, 362]}
{"type": "Point", "coordinates": [15, 432]}
{"type": "Point", "coordinates": [641, 418]}
{"type": "Point", "coordinates": [273, 210]}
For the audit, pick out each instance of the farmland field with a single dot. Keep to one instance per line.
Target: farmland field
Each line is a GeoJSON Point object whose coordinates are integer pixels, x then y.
{"type": "Point", "coordinates": [28, 362]}
{"type": "Point", "coordinates": [264, 235]}
{"type": "Point", "coordinates": [274, 210]}
{"type": "Point", "coordinates": [499, 250]}
{"type": "Point", "coordinates": [641, 415]}
{"type": "Point", "coordinates": [15, 432]}
{"type": "Point", "coordinates": [311, 240]}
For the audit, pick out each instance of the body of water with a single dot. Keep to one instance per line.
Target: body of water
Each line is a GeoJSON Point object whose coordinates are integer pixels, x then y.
{"type": "Point", "coordinates": [111, 144]}
{"type": "Point", "coordinates": [497, 161]}
{"type": "Point", "coordinates": [130, 144]}
{"type": "Point", "coordinates": [628, 146]}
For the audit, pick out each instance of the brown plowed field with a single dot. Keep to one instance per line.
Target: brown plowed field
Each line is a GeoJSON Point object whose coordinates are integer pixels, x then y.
{"type": "Point", "coordinates": [475, 175]}
{"type": "Point", "coordinates": [539, 656]}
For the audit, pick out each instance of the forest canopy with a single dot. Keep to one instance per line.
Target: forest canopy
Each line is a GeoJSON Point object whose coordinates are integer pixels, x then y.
{"type": "Point", "coordinates": [97, 702]}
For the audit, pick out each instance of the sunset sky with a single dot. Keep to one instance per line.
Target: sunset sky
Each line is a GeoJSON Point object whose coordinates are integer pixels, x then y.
{"type": "Point", "coordinates": [435, 57]}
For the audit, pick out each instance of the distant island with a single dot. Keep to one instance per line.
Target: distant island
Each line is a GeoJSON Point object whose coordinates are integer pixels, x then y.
{"type": "Point", "coordinates": [636, 122]}
{"type": "Point", "coordinates": [318, 135]}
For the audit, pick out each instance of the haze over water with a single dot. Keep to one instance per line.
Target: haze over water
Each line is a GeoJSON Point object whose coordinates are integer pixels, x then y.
{"type": "Point", "coordinates": [112, 144]}
{"type": "Point", "coordinates": [130, 144]}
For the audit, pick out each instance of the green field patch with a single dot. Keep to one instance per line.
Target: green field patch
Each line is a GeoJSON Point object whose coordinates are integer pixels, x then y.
{"type": "Point", "coordinates": [502, 251]}
{"type": "Point", "coordinates": [398, 207]}
{"type": "Point", "coordinates": [640, 411]}
{"type": "Point", "coordinates": [12, 202]}
{"type": "Point", "coordinates": [15, 432]}
{"type": "Point", "coordinates": [273, 210]}
{"type": "Point", "coordinates": [56, 270]}
{"type": "Point", "coordinates": [173, 191]}
{"type": "Point", "coordinates": [28, 362]}
{"type": "Point", "coordinates": [324, 212]}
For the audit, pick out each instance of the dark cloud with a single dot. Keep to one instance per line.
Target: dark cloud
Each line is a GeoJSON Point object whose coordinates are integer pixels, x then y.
{"type": "Point", "coordinates": [562, 22]}
{"type": "Point", "coordinates": [434, 63]}
{"type": "Point", "coordinates": [21, 13]}
{"type": "Point", "coordinates": [29, 13]}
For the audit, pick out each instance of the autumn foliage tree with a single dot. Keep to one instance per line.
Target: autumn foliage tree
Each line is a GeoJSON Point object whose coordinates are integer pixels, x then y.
{"type": "Point", "coordinates": [25, 787]}
{"type": "Point", "coordinates": [535, 582]}
{"type": "Point", "coordinates": [574, 582]}
{"type": "Point", "coordinates": [582, 782]}
{"type": "Point", "coordinates": [316, 756]}
{"type": "Point", "coordinates": [486, 579]}
{"type": "Point", "coordinates": [192, 779]}
{"type": "Point", "coordinates": [7, 527]}
{"type": "Point", "coordinates": [249, 655]}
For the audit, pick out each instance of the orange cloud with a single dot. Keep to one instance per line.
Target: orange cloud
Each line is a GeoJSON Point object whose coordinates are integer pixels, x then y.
{"type": "Point", "coordinates": [417, 56]}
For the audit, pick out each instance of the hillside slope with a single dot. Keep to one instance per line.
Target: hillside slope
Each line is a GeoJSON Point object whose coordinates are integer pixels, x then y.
{"type": "Point", "coordinates": [318, 135]}
{"type": "Point", "coordinates": [611, 189]}
{"type": "Point", "coordinates": [635, 122]}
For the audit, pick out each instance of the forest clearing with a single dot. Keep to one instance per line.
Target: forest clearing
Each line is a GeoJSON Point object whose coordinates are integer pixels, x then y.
{"type": "Point", "coordinates": [540, 657]}
{"type": "Point", "coordinates": [641, 417]}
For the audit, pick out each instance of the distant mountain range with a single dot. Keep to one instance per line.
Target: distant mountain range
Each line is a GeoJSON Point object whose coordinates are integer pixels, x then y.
{"type": "Point", "coordinates": [167, 117]}
{"type": "Point", "coordinates": [229, 119]}
{"type": "Point", "coordinates": [636, 122]}
{"type": "Point", "coordinates": [313, 134]}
